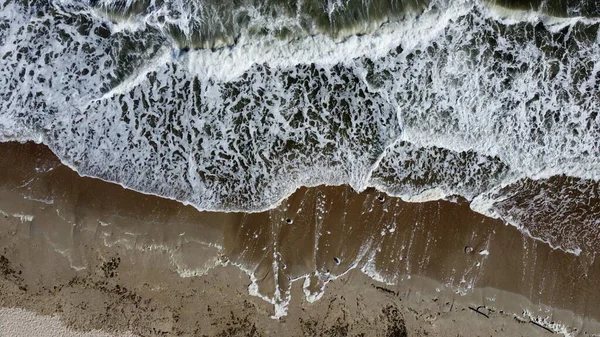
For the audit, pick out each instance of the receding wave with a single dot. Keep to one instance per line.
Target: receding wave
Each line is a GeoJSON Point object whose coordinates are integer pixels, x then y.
{"type": "Point", "coordinates": [233, 107]}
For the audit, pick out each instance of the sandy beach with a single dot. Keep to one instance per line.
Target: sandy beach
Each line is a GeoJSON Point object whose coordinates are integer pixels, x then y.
{"type": "Point", "coordinates": [326, 262]}
{"type": "Point", "coordinates": [329, 168]}
{"type": "Point", "coordinates": [22, 323]}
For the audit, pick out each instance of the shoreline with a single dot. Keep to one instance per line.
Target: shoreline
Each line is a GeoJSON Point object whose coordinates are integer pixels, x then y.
{"type": "Point", "coordinates": [478, 204]}
{"type": "Point", "coordinates": [61, 231]}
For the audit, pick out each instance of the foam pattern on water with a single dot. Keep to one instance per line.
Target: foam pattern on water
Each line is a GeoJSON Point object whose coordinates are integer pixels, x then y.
{"type": "Point", "coordinates": [455, 100]}
{"type": "Point", "coordinates": [409, 171]}
{"type": "Point", "coordinates": [217, 23]}
{"type": "Point", "coordinates": [233, 145]}
{"type": "Point", "coordinates": [562, 211]}
{"type": "Point", "coordinates": [517, 92]}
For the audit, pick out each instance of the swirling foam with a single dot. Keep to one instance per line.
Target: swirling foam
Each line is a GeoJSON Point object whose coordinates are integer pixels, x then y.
{"type": "Point", "coordinates": [456, 100]}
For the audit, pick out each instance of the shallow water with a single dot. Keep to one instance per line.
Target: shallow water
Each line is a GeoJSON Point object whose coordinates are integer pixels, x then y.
{"type": "Point", "coordinates": [465, 100]}
{"type": "Point", "coordinates": [314, 237]}
{"type": "Point", "coordinates": [440, 108]}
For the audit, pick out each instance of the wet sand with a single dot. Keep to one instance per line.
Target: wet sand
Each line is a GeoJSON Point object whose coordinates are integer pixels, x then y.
{"type": "Point", "coordinates": [103, 257]}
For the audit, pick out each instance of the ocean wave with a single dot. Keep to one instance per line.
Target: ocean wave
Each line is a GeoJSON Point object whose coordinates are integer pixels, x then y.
{"type": "Point", "coordinates": [452, 100]}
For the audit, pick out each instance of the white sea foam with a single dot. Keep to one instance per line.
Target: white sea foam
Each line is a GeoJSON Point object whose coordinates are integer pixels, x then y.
{"type": "Point", "coordinates": [227, 64]}
{"type": "Point", "coordinates": [459, 100]}
{"type": "Point", "coordinates": [22, 217]}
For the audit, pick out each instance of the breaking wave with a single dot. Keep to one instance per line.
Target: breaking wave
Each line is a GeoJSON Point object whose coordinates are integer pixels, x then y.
{"type": "Point", "coordinates": [233, 107]}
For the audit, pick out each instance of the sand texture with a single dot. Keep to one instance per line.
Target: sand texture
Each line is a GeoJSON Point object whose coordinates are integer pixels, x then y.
{"type": "Point", "coordinates": [326, 262]}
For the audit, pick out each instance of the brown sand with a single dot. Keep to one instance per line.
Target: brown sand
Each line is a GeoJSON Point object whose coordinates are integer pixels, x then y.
{"type": "Point", "coordinates": [22, 323]}
{"type": "Point", "coordinates": [102, 257]}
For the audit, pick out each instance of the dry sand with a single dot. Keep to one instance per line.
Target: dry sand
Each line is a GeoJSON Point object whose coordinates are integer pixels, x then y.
{"type": "Point", "coordinates": [104, 258]}
{"type": "Point", "coordinates": [23, 323]}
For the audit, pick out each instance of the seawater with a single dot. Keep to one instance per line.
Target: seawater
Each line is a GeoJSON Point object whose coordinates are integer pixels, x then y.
{"type": "Point", "coordinates": [233, 106]}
